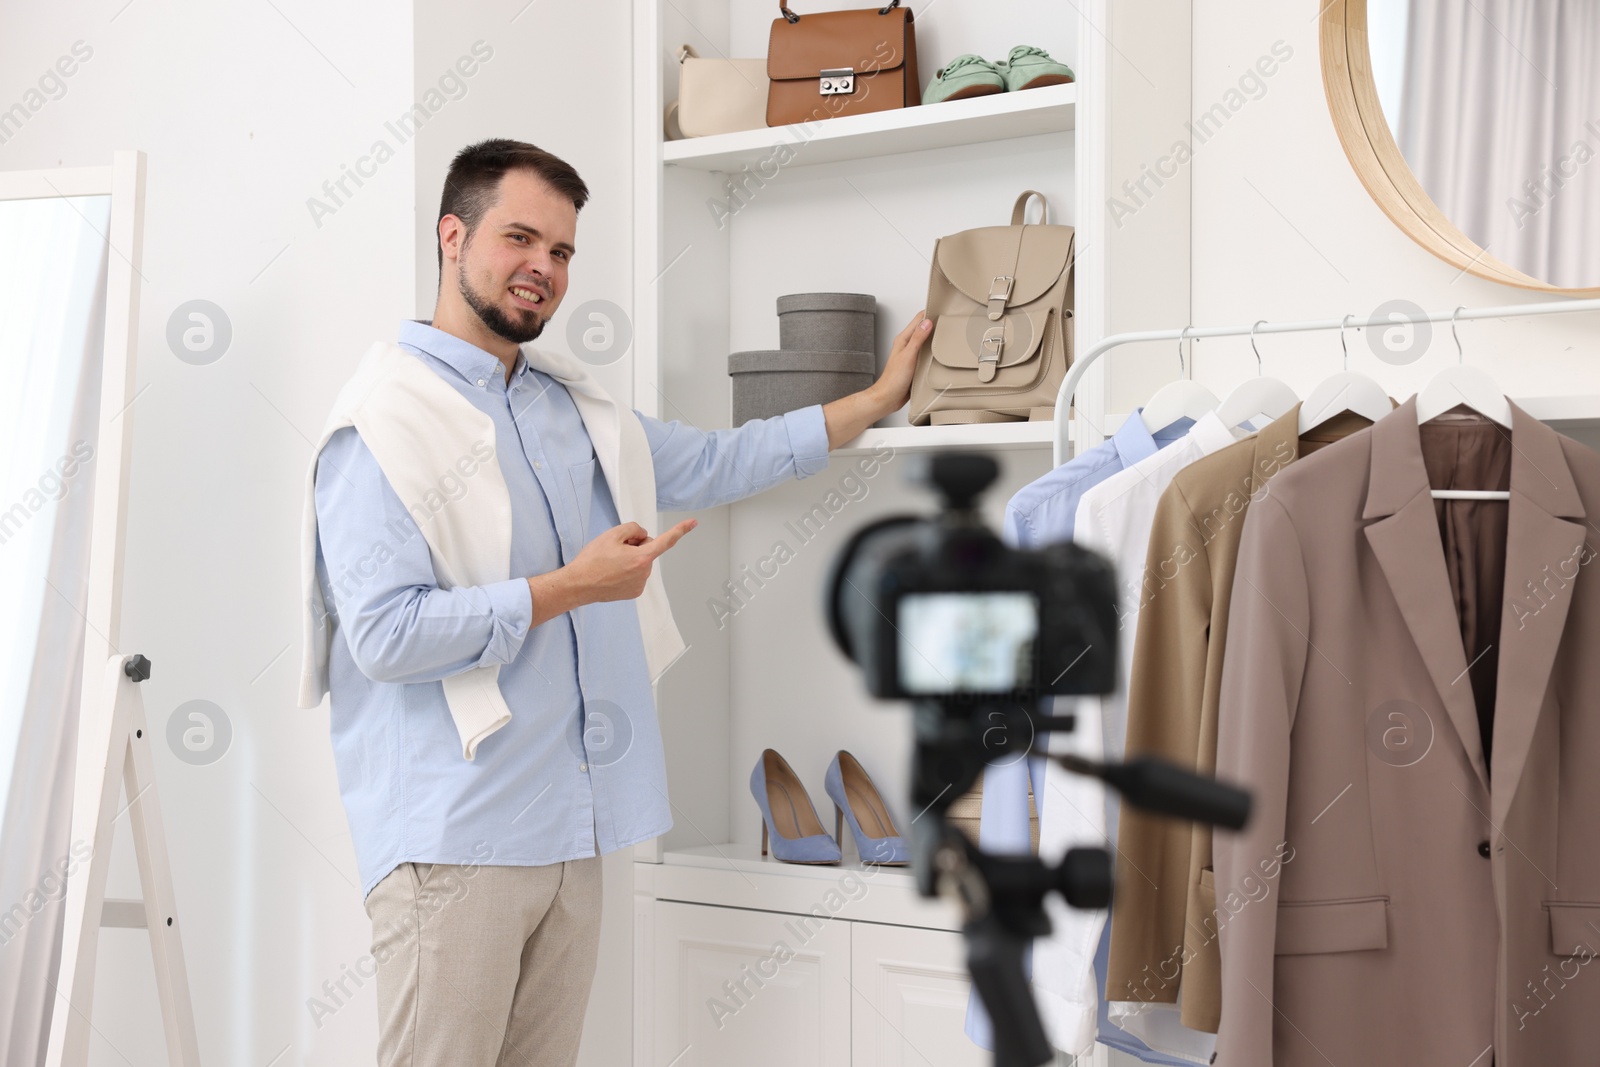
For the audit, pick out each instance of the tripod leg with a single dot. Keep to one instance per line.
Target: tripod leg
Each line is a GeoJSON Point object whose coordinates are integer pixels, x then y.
{"type": "Point", "coordinates": [994, 956]}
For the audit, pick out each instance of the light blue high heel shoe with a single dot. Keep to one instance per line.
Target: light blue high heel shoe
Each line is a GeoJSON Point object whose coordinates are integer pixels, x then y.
{"type": "Point", "coordinates": [857, 800]}
{"type": "Point", "coordinates": [786, 811]}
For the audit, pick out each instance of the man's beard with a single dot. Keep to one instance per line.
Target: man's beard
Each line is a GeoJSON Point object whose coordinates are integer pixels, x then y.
{"type": "Point", "coordinates": [518, 332]}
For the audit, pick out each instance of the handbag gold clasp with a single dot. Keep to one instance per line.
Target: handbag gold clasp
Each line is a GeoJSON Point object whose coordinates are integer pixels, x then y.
{"type": "Point", "coordinates": [837, 81]}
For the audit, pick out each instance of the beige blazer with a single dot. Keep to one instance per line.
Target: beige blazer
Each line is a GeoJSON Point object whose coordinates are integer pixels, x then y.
{"type": "Point", "coordinates": [1163, 936]}
{"type": "Point", "coordinates": [1412, 691]}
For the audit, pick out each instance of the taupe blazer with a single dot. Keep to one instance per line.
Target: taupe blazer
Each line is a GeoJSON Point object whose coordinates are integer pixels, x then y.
{"type": "Point", "coordinates": [1412, 691]}
{"type": "Point", "coordinates": [1163, 930]}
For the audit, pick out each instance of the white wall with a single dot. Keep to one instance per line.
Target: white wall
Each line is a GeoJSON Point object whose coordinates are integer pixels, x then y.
{"type": "Point", "coordinates": [244, 111]}
{"type": "Point", "coordinates": [1283, 229]}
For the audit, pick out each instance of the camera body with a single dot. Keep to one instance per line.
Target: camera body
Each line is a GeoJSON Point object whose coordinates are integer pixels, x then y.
{"type": "Point", "coordinates": [941, 609]}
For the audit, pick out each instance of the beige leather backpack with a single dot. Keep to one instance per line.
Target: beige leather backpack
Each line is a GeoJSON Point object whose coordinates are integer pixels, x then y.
{"type": "Point", "coordinates": [1001, 301]}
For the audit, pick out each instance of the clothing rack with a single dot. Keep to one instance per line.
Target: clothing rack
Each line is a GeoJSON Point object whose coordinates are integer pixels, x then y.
{"type": "Point", "coordinates": [1084, 361]}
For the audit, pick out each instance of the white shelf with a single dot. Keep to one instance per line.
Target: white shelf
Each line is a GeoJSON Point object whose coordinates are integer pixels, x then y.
{"type": "Point", "coordinates": [1576, 408]}
{"type": "Point", "coordinates": [1049, 109]}
{"type": "Point", "coordinates": [738, 876]}
{"type": "Point", "coordinates": [735, 857]}
{"type": "Point", "coordinates": [982, 435]}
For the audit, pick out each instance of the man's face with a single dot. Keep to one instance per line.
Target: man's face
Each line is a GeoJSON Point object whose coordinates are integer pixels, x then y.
{"type": "Point", "coordinates": [512, 270]}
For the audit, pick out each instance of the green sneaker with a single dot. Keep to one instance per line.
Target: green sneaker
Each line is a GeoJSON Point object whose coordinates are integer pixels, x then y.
{"type": "Point", "coordinates": [964, 76]}
{"type": "Point", "coordinates": [1028, 67]}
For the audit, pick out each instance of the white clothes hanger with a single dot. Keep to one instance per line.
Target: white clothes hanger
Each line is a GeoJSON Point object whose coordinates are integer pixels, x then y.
{"type": "Point", "coordinates": [1462, 384]}
{"type": "Point", "coordinates": [1182, 399]}
{"type": "Point", "coordinates": [1457, 385]}
{"type": "Point", "coordinates": [1257, 396]}
{"type": "Point", "coordinates": [1345, 391]}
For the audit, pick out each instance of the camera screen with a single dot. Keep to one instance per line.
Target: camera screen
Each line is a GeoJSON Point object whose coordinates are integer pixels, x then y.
{"type": "Point", "coordinates": [967, 642]}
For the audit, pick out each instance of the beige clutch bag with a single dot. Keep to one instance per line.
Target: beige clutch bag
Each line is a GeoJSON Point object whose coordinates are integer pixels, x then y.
{"type": "Point", "coordinates": [720, 95]}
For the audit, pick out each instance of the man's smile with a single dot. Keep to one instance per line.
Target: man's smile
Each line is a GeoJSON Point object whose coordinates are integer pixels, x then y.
{"type": "Point", "coordinates": [525, 297]}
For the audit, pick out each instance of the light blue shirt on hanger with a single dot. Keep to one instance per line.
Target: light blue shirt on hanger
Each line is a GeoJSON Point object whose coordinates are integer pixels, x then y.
{"type": "Point", "coordinates": [1043, 512]}
{"type": "Point", "coordinates": [579, 768]}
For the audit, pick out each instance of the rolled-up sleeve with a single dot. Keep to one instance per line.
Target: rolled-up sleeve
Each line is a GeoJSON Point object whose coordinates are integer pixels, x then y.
{"type": "Point", "coordinates": [700, 469]}
{"type": "Point", "coordinates": [398, 624]}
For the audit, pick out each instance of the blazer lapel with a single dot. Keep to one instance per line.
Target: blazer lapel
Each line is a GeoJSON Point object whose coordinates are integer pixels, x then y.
{"type": "Point", "coordinates": [1405, 540]}
{"type": "Point", "coordinates": [1544, 553]}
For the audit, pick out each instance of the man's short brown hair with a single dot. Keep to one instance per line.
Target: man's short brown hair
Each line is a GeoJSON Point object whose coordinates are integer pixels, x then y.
{"type": "Point", "coordinates": [473, 182]}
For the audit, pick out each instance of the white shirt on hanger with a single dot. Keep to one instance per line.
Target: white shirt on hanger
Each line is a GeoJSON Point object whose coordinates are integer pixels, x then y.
{"type": "Point", "coordinates": [1115, 519]}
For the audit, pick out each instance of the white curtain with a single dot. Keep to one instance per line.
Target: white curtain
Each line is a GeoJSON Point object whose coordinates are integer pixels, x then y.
{"type": "Point", "coordinates": [52, 324]}
{"type": "Point", "coordinates": [1500, 94]}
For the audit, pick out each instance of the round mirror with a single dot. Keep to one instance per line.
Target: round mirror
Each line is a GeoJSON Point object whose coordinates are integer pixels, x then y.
{"type": "Point", "coordinates": [1475, 125]}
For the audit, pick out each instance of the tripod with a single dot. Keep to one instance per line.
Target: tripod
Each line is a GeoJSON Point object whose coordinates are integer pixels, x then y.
{"type": "Point", "coordinates": [1002, 897]}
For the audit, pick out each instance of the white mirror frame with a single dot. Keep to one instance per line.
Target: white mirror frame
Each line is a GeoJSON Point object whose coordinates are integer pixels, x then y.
{"type": "Point", "coordinates": [123, 181]}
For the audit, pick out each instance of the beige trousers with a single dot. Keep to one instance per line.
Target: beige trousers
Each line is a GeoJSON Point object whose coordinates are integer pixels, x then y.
{"type": "Point", "coordinates": [484, 966]}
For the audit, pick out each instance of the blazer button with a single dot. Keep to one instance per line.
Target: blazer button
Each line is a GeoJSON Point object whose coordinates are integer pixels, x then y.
{"type": "Point", "coordinates": [1483, 849]}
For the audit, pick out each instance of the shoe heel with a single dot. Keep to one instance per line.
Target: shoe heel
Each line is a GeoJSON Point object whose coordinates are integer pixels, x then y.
{"type": "Point", "coordinates": [763, 837]}
{"type": "Point", "coordinates": [838, 825]}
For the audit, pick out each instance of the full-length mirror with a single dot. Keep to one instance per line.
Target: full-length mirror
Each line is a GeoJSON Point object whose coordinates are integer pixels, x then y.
{"type": "Point", "coordinates": [53, 298]}
{"type": "Point", "coordinates": [69, 288]}
{"type": "Point", "coordinates": [1475, 124]}
{"type": "Point", "coordinates": [52, 329]}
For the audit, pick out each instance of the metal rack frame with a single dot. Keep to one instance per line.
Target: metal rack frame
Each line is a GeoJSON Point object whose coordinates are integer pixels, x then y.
{"type": "Point", "coordinates": [1085, 360]}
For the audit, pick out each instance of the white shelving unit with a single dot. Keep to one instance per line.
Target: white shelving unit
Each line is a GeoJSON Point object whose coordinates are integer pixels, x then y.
{"type": "Point", "coordinates": [725, 225]}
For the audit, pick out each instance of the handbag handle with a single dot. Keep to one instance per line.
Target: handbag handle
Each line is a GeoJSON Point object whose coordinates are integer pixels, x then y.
{"type": "Point", "coordinates": [793, 18]}
{"type": "Point", "coordinates": [1022, 206]}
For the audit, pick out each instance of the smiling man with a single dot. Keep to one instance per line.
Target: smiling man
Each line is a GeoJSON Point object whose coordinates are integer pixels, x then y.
{"type": "Point", "coordinates": [481, 875]}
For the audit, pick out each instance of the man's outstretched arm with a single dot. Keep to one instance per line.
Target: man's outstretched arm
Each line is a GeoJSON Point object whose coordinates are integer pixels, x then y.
{"type": "Point", "coordinates": [698, 469]}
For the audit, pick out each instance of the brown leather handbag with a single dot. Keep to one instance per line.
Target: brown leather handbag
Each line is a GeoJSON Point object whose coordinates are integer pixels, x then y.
{"type": "Point", "coordinates": [834, 63]}
{"type": "Point", "coordinates": [1001, 300]}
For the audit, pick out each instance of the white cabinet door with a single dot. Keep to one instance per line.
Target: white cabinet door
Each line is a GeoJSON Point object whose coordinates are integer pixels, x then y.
{"type": "Point", "coordinates": [735, 987]}
{"type": "Point", "coordinates": [909, 1003]}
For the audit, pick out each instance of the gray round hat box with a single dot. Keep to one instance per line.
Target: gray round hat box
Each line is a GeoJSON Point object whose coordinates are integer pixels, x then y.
{"type": "Point", "coordinates": [828, 322]}
{"type": "Point", "coordinates": [827, 350]}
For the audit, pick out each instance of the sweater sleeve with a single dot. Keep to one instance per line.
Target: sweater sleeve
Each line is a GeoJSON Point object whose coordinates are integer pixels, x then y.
{"type": "Point", "coordinates": [380, 586]}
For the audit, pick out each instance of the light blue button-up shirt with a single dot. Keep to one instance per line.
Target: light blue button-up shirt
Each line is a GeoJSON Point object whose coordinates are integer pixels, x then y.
{"type": "Point", "coordinates": [579, 768]}
{"type": "Point", "coordinates": [1044, 512]}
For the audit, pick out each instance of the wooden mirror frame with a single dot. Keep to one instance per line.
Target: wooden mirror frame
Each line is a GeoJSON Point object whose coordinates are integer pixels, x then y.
{"type": "Point", "coordinates": [1370, 145]}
